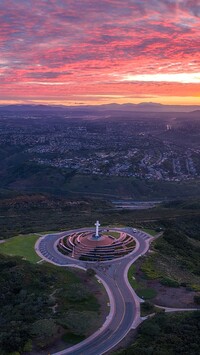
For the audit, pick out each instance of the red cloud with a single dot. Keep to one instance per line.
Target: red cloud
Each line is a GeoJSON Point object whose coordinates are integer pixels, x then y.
{"type": "Point", "coordinates": [64, 47]}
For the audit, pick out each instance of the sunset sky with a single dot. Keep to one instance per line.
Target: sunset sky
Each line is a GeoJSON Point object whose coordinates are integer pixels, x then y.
{"type": "Point", "coordinates": [75, 52]}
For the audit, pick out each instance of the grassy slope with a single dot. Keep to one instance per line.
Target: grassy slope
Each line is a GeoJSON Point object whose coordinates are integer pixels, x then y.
{"type": "Point", "coordinates": [21, 245]}
{"type": "Point", "coordinates": [176, 256]}
{"type": "Point", "coordinates": [150, 231]}
{"type": "Point", "coordinates": [131, 187]}
{"type": "Point", "coordinates": [139, 285]}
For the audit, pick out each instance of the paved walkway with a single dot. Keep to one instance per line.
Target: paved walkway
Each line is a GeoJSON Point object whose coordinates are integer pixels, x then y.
{"type": "Point", "coordinates": [170, 309]}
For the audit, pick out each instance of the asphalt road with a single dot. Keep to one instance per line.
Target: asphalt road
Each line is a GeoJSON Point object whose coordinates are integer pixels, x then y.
{"type": "Point", "coordinates": [125, 310]}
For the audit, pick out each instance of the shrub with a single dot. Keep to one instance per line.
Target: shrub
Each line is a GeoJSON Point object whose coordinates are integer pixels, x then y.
{"type": "Point", "coordinates": [169, 282]}
{"type": "Point", "coordinates": [197, 299]}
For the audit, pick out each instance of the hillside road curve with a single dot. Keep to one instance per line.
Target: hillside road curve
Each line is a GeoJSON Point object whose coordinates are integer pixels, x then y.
{"type": "Point", "coordinates": [124, 303]}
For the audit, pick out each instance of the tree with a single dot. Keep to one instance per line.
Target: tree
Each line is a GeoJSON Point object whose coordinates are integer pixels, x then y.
{"type": "Point", "coordinates": [28, 346]}
{"type": "Point", "coordinates": [78, 322]}
{"type": "Point", "coordinates": [197, 298]}
{"type": "Point", "coordinates": [77, 292]}
{"type": "Point", "coordinates": [91, 272]}
{"type": "Point", "coordinates": [44, 331]}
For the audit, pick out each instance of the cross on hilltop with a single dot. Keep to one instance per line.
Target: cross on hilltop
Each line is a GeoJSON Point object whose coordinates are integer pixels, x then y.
{"type": "Point", "coordinates": [97, 224]}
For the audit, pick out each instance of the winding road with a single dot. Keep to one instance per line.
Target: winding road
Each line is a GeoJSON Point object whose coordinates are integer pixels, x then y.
{"type": "Point", "coordinates": [124, 303]}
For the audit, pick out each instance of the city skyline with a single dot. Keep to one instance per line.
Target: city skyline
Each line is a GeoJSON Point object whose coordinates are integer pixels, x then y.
{"type": "Point", "coordinates": [74, 52]}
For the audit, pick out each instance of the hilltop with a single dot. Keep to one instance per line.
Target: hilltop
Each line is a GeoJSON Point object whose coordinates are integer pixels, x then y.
{"type": "Point", "coordinates": [141, 107]}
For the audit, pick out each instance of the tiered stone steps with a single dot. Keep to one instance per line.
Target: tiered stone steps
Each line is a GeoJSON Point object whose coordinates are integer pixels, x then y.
{"type": "Point", "coordinates": [82, 246]}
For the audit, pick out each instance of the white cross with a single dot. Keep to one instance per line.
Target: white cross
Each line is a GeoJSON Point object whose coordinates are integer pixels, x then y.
{"type": "Point", "coordinates": [97, 224]}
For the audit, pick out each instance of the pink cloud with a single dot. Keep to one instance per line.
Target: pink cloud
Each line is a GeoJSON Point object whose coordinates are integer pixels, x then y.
{"type": "Point", "coordinates": [87, 46]}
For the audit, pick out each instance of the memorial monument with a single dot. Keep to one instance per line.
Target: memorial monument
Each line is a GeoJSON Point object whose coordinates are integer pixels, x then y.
{"type": "Point", "coordinates": [97, 236]}
{"type": "Point", "coordinates": [90, 245]}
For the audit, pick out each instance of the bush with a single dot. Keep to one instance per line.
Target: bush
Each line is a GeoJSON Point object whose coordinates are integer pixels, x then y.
{"type": "Point", "coordinates": [197, 299]}
{"type": "Point", "coordinates": [146, 308]}
{"type": "Point", "coordinates": [77, 292]}
{"type": "Point", "coordinates": [43, 331]}
{"type": "Point", "coordinates": [146, 293]}
{"type": "Point", "coordinates": [28, 346]}
{"type": "Point", "coordinates": [90, 272]}
{"type": "Point", "coordinates": [169, 282]}
{"type": "Point", "coordinates": [78, 322]}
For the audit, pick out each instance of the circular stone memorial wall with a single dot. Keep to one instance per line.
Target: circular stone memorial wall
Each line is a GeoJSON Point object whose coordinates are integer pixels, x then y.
{"type": "Point", "coordinates": [86, 246]}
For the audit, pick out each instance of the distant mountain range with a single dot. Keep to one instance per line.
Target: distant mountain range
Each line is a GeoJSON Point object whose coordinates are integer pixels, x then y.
{"type": "Point", "coordinates": [141, 107]}
{"type": "Point", "coordinates": [149, 106]}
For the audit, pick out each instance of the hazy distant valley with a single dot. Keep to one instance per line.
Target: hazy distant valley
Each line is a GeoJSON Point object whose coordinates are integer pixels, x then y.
{"type": "Point", "coordinates": [43, 147]}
